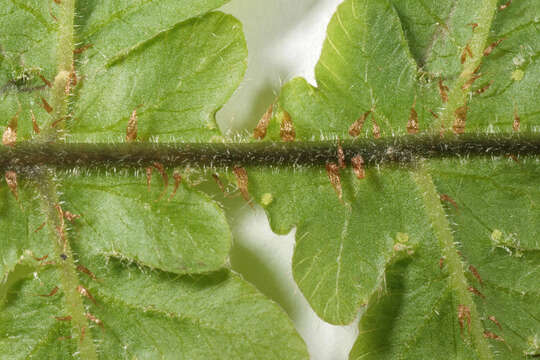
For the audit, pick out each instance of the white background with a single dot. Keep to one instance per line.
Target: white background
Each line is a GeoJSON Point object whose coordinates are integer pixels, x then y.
{"type": "Point", "coordinates": [284, 40]}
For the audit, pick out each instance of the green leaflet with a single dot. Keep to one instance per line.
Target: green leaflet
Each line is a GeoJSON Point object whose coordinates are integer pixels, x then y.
{"type": "Point", "coordinates": [176, 80]}
{"type": "Point", "coordinates": [370, 62]}
{"type": "Point", "coordinates": [149, 314]}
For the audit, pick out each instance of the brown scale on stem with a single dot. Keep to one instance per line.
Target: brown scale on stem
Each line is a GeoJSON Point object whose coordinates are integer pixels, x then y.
{"type": "Point", "coordinates": [471, 81]}
{"type": "Point", "coordinates": [82, 49]}
{"type": "Point", "coordinates": [505, 5]}
{"type": "Point", "coordinates": [341, 156]}
{"type": "Point", "coordinates": [492, 47]}
{"type": "Point", "coordinates": [86, 271]}
{"type": "Point", "coordinates": [460, 120]}
{"type": "Point", "coordinates": [84, 292]}
{"type": "Point", "coordinates": [11, 180]}
{"type": "Point", "coordinates": [287, 132]}
{"type": "Point", "coordinates": [242, 181]}
{"type": "Point", "coordinates": [517, 121]}
{"type": "Point", "coordinates": [474, 271]}
{"type": "Point", "coordinates": [47, 82]}
{"type": "Point", "coordinates": [40, 227]}
{"type": "Point", "coordinates": [95, 320]}
{"type": "Point", "coordinates": [177, 180]}
{"type": "Point", "coordinates": [376, 129]}
{"type": "Point", "coordinates": [475, 292]}
{"type": "Point", "coordinates": [412, 124]}
{"type": "Point", "coordinates": [473, 26]}
{"type": "Point", "coordinates": [443, 91]}
{"type": "Point", "coordinates": [165, 177]}
{"type": "Point", "coordinates": [219, 184]}
{"type": "Point", "coordinates": [259, 132]}
{"type": "Point", "coordinates": [148, 177]}
{"type": "Point", "coordinates": [466, 52]}
{"type": "Point", "coordinates": [358, 167]}
{"type": "Point", "coordinates": [332, 170]}
{"type": "Point", "coordinates": [464, 316]}
{"type": "Point", "coordinates": [484, 88]}
{"type": "Point", "coordinates": [52, 293]}
{"type": "Point", "coordinates": [356, 127]}
{"type": "Point", "coordinates": [48, 108]}
{"type": "Point", "coordinates": [9, 137]}
{"type": "Point", "coordinates": [63, 318]}
{"type": "Point", "coordinates": [441, 263]}
{"type": "Point", "coordinates": [44, 257]}
{"type": "Point", "coordinates": [83, 333]}
{"type": "Point", "coordinates": [35, 125]}
{"type": "Point", "coordinates": [131, 130]}
{"type": "Point", "coordinates": [493, 336]}
{"type": "Point", "coordinates": [448, 199]}
{"type": "Point", "coordinates": [494, 320]}
{"type": "Point", "coordinates": [70, 217]}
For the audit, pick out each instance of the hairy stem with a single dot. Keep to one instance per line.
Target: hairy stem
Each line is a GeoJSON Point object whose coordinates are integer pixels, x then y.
{"type": "Point", "coordinates": [64, 257]}
{"type": "Point", "coordinates": [64, 58]}
{"type": "Point", "coordinates": [44, 179]}
{"type": "Point", "coordinates": [399, 150]}
{"type": "Point", "coordinates": [458, 96]}
{"type": "Point", "coordinates": [458, 282]}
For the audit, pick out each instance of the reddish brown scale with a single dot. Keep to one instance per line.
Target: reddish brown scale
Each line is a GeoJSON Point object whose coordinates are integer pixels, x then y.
{"type": "Point", "coordinates": [47, 82]}
{"type": "Point", "coordinates": [466, 52]}
{"type": "Point", "coordinates": [9, 137]}
{"type": "Point", "coordinates": [35, 125]}
{"type": "Point", "coordinates": [52, 293]}
{"type": "Point", "coordinates": [412, 124]}
{"type": "Point", "coordinates": [484, 88]}
{"type": "Point", "coordinates": [504, 6]}
{"type": "Point", "coordinates": [58, 1]}
{"type": "Point", "coordinates": [287, 132]}
{"type": "Point", "coordinates": [58, 121]}
{"type": "Point", "coordinates": [464, 316]}
{"type": "Point", "coordinates": [476, 292]}
{"type": "Point", "coordinates": [83, 332]}
{"type": "Point", "coordinates": [41, 258]}
{"type": "Point", "coordinates": [473, 26]}
{"type": "Point", "coordinates": [358, 167]}
{"type": "Point", "coordinates": [219, 183]}
{"type": "Point", "coordinates": [242, 181]}
{"type": "Point", "coordinates": [491, 47]}
{"type": "Point", "coordinates": [86, 271]}
{"type": "Point", "coordinates": [82, 49]}
{"type": "Point", "coordinates": [11, 180]}
{"type": "Point", "coordinates": [490, 335]}
{"type": "Point", "coordinates": [356, 127]}
{"type": "Point", "coordinates": [441, 263]}
{"type": "Point", "coordinates": [177, 180]}
{"type": "Point", "coordinates": [434, 115]}
{"type": "Point", "coordinates": [161, 169]}
{"type": "Point", "coordinates": [52, 15]}
{"type": "Point", "coordinates": [131, 130]}
{"type": "Point", "coordinates": [63, 318]}
{"type": "Point", "coordinates": [447, 198]}
{"type": "Point", "coordinates": [70, 217]}
{"type": "Point", "coordinates": [148, 177]}
{"type": "Point", "coordinates": [48, 108]}
{"type": "Point", "coordinates": [84, 292]}
{"type": "Point", "coordinates": [259, 132]}
{"type": "Point", "coordinates": [470, 82]}
{"type": "Point", "coordinates": [443, 91]}
{"type": "Point", "coordinates": [332, 170]}
{"type": "Point", "coordinates": [494, 320]}
{"type": "Point", "coordinates": [517, 121]}
{"type": "Point", "coordinates": [474, 271]}
{"type": "Point", "coordinates": [513, 157]}
{"type": "Point", "coordinates": [376, 129]}
{"type": "Point", "coordinates": [40, 227]}
{"type": "Point", "coordinates": [95, 320]}
{"type": "Point", "coordinates": [341, 156]}
{"type": "Point", "coordinates": [460, 120]}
